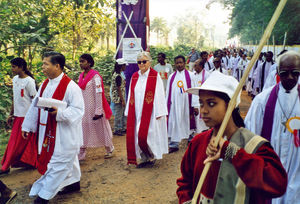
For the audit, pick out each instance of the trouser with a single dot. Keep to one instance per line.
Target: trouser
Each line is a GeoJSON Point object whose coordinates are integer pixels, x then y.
{"type": "Point", "coordinates": [120, 119]}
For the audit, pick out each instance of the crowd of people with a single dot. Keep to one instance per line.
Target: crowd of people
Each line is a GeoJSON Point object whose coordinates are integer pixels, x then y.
{"type": "Point", "coordinates": [163, 106]}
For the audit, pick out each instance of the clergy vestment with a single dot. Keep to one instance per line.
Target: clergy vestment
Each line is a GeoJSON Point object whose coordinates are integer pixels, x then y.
{"type": "Point", "coordinates": [208, 65]}
{"type": "Point", "coordinates": [261, 172]}
{"type": "Point", "coordinates": [157, 139]}
{"type": "Point", "coordinates": [180, 121]}
{"type": "Point", "coordinates": [63, 168]}
{"type": "Point", "coordinates": [281, 139]}
{"type": "Point", "coordinates": [261, 74]}
{"type": "Point", "coordinates": [199, 79]}
{"type": "Point", "coordinates": [220, 69]}
{"type": "Point", "coordinates": [241, 67]}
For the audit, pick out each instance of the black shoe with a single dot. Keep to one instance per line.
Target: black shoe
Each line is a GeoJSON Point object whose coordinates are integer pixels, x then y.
{"type": "Point", "coordinates": [40, 200]}
{"type": "Point", "coordinates": [147, 164]}
{"type": "Point", "coordinates": [118, 133]}
{"type": "Point", "coordinates": [173, 149]}
{"type": "Point", "coordinates": [4, 171]}
{"type": "Point", "coordinates": [8, 199]}
{"type": "Point", "coordinates": [70, 188]}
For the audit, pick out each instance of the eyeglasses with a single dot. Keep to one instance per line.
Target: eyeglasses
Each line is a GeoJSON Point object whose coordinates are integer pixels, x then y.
{"type": "Point", "coordinates": [284, 73]}
{"type": "Point", "coordinates": [143, 61]}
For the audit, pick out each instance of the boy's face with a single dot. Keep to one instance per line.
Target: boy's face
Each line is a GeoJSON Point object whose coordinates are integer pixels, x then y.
{"type": "Point", "coordinates": [179, 64]}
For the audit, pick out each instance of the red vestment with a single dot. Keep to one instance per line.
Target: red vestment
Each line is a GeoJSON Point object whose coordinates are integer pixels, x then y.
{"type": "Point", "coordinates": [261, 172]}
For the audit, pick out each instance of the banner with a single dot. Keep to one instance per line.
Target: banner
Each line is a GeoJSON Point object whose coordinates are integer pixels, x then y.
{"type": "Point", "coordinates": [139, 23]}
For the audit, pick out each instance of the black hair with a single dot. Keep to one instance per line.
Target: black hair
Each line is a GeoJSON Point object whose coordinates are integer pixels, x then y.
{"type": "Point", "coordinates": [203, 53]}
{"type": "Point", "coordinates": [162, 54]}
{"type": "Point", "coordinates": [88, 58]}
{"type": "Point", "coordinates": [20, 62]}
{"type": "Point", "coordinates": [237, 118]}
{"type": "Point", "coordinates": [178, 57]}
{"type": "Point", "coordinates": [118, 67]}
{"type": "Point", "coordinates": [56, 58]}
{"type": "Point", "coordinates": [270, 52]}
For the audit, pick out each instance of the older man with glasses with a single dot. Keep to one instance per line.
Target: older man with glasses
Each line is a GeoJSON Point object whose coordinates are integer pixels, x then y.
{"type": "Point", "coordinates": [275, 115]}
{"type": "Point", "coordinates": [146, 109]}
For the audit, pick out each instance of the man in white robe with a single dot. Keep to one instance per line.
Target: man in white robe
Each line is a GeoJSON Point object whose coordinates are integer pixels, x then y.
{"type": "Point", "coordinates": [207, 65]}
{"type": "Point", "coordinates": [157, 138]}
{"type": "Point", "coordinates": [262, 71]}
{"type": "Point", "coordinates": [218, 67]}
{"type": "Point", "coordinates": [200, 76]}
{"type": "Point", "coordinates": [164, 69]}
{"type": "Point", "coordinates": [286, 107]}
{"type": "Point", "coordinates": [241, 66]}
{"type": "Point", "coordinates": [178, 104]}
{"type": "Point", "coordinates": [253, 73]}
{"type": "Point", "coordinates": [63, 169]}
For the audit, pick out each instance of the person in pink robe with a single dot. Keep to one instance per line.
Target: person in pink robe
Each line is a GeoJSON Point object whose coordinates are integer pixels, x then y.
{"type": "Point", "coordinates": [95, 123]}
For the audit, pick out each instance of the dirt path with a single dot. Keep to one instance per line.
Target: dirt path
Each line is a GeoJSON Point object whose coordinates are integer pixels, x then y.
{"type": "Point", "coordinates": [112, 181]}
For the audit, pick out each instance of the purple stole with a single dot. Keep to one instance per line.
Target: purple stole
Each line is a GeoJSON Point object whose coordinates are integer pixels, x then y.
{"type": "Point", "coordinates": [188, 82]}
{"type": "Point", "coordinates": [269, 112]}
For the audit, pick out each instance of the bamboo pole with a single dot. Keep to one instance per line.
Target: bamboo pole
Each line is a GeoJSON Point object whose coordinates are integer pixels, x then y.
{"type": "Point", "coordinates": [284, 40]}
{"type": "Point", "coordinates": [232, 102]}
{"type": "Point", "coordinates": [274, 51]}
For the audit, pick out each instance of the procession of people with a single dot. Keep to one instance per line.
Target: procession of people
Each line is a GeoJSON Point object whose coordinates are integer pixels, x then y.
{"type": "Point", "coordinates": [55, 126]}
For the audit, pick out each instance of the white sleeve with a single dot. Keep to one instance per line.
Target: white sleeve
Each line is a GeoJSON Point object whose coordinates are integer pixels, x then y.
{"type": "Point", "coordinates": [75, 107]}
{"type": "Point", "coordinates": [31, 87]}
{"type": "Point", "coordinates": [128, 99]}
{"type": "Point", "coordinates": [30, 122]}
{"type": "Point", "coordinates": [159, 99]}
{"type": "Point", "coordinates": [255, 115]}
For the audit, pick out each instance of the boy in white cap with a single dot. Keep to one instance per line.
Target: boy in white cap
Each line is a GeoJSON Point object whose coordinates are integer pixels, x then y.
{"type": "Point", "coordinates": [241, 160]}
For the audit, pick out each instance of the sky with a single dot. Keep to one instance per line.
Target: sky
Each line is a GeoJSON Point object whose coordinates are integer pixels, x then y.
{"type": "Point", "coordinates": [170, 9]}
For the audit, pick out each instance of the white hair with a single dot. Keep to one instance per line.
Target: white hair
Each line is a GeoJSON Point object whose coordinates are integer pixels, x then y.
{"type": "Point", "coordinates": [290, 53]}
{"type": "Point", "coordinates": [144, 54]}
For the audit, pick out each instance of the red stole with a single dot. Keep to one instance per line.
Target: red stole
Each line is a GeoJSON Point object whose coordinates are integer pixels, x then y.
{"type": "Point", "coordinates": [50, 133]}
{"type": "Point", "coordinates": [82, 84]}
{"type": "Point", "coordinates": [145, 119]}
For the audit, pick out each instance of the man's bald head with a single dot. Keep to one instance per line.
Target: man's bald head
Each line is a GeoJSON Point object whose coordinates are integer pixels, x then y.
{"type": "Point", "coordinates": [289, 69]}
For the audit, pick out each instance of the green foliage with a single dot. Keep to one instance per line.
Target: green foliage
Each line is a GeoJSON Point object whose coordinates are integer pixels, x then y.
{"type": "Point", "coordinates": [251, 17]}
{"type": "Point", "coordinates": [171, 52]}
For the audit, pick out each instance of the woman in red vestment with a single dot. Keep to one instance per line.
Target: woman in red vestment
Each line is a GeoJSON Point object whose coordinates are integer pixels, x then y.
{"type": "Point", "coordinates": [241, 160]}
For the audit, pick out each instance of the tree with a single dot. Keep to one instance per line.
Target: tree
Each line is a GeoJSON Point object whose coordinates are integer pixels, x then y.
{"type": "Point", "coordinates": [250, 18]}
{"type": "Point", "coordinates": [159, 25]}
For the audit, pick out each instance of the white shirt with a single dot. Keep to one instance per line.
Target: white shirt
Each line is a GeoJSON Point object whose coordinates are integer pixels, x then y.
{"type": "Point", "coordinates": [24, 90]}
{"type": "Point", "coordinates": [164, 72]}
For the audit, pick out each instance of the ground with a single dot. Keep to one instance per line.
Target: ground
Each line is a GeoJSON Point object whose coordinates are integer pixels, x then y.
{"type": "Point", "coordinates": [112, 181]}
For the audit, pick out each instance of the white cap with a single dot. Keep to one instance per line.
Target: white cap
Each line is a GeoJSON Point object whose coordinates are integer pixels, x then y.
{"type": "Point", "coordinates": [218, 82]}
{"type": "Point", "coordinates": [121, 61]}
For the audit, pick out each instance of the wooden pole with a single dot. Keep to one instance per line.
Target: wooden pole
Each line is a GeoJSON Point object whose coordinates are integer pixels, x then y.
{"type": "Point", "coordinates": [232, 102]}
{"type": "Point", "coordinates": [274, 54]}
{"type": "Point", "coordinates": [284, 40]}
